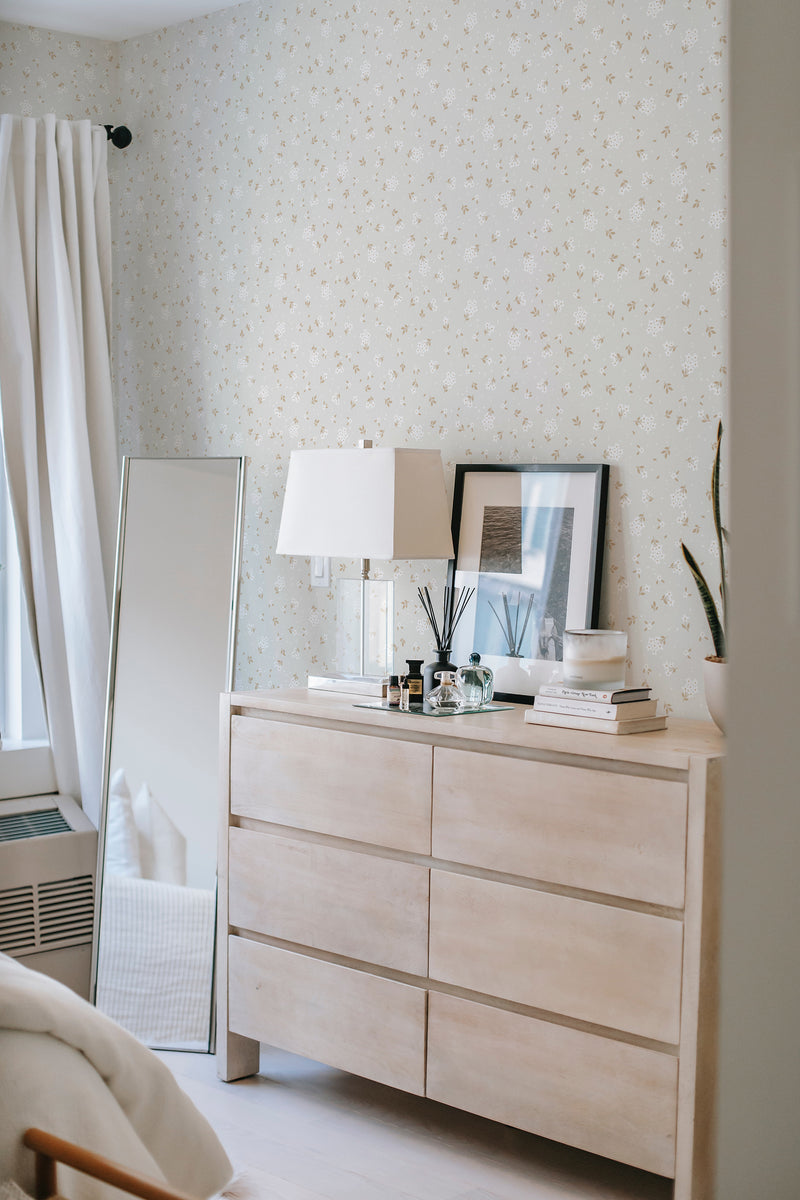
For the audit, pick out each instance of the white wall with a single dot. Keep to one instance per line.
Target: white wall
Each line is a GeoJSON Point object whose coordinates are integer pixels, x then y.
{"type": "Point", "coordinates": [759, 1081]}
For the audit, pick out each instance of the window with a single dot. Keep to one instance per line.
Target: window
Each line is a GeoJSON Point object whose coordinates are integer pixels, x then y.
{"type": "Point", "coordinates": [26, 766]}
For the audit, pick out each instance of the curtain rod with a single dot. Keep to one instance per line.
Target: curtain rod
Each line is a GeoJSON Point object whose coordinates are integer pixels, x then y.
{"type": "Point", "coordinates": [119, 137]}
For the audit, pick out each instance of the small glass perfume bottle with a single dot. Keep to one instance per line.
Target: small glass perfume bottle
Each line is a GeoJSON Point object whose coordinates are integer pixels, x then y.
{"type": "Point", "coordinates": [414, 682]}
{"type": "Point", "coordinates": [476, 683]}
{"type": "Point", "coordinates": [446, 697]}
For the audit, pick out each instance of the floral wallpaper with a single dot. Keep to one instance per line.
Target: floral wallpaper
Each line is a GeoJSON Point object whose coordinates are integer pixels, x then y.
{"type": "Point", "coordinates": [499, 232]}
{"type": "Point", "coordinates": [42, 71]}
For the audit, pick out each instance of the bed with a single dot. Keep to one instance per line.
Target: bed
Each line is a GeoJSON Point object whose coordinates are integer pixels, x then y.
{"type": "Point", "coordinates": [71, 1071]}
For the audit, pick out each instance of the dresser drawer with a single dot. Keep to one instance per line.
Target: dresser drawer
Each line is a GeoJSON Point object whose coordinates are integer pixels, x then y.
{"type": "Point", "coordinates": [368, 789]}
{"type": "Point", "coordinates": [348, 1019]}
{"type": "Point", "coordinates": [352, 904]}
{"type": "Point", "coordinates": [597, 830]}
{"type": "Point", "coordinates": [607, 1097]}
{"type": "Point", "coordinates": [609, 966]}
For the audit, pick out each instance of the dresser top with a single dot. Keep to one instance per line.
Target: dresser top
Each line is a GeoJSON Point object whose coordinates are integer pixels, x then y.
{"type": "Point", "coordinates": [672, 747]}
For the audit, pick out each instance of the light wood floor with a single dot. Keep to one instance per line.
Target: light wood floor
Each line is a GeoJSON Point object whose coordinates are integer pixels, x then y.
{"type": "Point", "coordinates": [302, 1131]}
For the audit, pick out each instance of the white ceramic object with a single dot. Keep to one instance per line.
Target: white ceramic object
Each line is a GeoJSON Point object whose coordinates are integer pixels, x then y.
{"type": "Point", "coordinates": [715, 682]}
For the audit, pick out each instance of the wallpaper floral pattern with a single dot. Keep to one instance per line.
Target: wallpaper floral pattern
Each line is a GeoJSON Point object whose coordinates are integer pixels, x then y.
{"type": "Point", "coordinates": [500, 232]}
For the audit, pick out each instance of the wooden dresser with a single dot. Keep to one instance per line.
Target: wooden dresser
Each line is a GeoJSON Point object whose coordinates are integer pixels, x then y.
{"type": "Point", "coordinates": [515, 920]}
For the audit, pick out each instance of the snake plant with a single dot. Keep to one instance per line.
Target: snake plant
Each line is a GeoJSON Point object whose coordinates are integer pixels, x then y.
{"type": "Point", "coordinates": [717, 621]}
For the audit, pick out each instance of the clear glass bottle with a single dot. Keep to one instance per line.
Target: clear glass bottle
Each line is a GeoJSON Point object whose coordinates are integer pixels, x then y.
{"type": "Point", "coordinates": [476, 683]}
{"type": "Point", "coordinates": [446, 697]}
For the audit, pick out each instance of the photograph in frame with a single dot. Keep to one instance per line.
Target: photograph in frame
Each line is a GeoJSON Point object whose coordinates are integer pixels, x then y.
{"type": "Point", "coordinates": [529, 538]}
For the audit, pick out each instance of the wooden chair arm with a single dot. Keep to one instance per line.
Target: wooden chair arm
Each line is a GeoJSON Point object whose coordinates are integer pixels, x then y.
{"type": "Point", "coordinates": [51, 1150]}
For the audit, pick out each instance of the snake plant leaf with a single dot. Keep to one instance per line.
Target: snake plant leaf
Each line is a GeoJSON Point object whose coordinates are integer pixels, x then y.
{"type": "Point", "coordinates": [722, 536]}
{"type": "Point", "coordinates": [712, 616]}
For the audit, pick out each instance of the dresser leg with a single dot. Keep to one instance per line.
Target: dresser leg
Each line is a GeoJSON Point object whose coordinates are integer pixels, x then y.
{"type": "Point", "coordinates": [237, 1056]}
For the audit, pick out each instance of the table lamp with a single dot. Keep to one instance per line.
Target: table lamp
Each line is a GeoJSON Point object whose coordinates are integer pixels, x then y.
{"type": "Point", "coordinates": [366, 503]}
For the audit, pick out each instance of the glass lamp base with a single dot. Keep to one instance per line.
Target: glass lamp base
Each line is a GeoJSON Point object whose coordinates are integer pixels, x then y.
{"type": "Point", "coordinates": [366, 650]}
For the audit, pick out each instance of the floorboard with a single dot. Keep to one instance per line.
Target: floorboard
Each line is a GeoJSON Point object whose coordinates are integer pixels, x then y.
{"type": "Point", "coordinates": [302, 1131]}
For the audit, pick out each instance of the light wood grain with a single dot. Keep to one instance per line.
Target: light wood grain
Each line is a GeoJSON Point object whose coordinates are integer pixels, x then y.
{"type": "Point", "coordinates": [694, 1168]}
{"type": "Point", "coordinates": [371, 1026]}
{"type": "Point", "coordinates": [620, 834]}
{"type": "Point", "coordinates": [365, 788]}
{"type": "Point", "coordinates": [567, 819]}
{"type": "Point", "coordinates": [609, 966]}
{"type": "Point", "coordinates": [236, 1056]}
{"type": "Point", "coordinates": [356, 905]}
{"type": "Point", "coordinates": [612, 1099]}
{"type": "Point", "coordinates": [672, 747]}
{"type": "Point", "coordinates": [304, 1131]}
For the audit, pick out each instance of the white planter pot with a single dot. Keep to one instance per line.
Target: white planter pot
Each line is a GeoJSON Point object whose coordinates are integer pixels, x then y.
{"type": "Point", "coordinates": [715, 681]}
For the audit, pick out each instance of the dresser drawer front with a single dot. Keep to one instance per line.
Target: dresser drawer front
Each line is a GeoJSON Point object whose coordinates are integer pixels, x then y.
{"type": "Point", "coordinates": [604, 1096]}
{"type": "Point", "coordinates": [348, 1019]}
{"type": "Point", "coordinates": [368, 789]}
{"type": "Point", "coordinates": [352, 904]}
{"type": "Point", "coordinates": [593, 962]}
{"type": "Point", "coordinates": [620, 834]}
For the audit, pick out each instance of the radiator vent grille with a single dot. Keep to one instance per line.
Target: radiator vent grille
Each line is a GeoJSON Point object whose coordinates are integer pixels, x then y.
{"type": "Point", "coordinates": [46, 916]}
{"type": "Point", "coordinates": [32, 824]}
{"type": "Point", "coordinates": [17, 920]}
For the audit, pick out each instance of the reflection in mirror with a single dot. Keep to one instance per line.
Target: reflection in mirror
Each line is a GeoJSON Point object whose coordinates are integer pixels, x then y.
{"type": "Point", "coordinates": [171, 656]}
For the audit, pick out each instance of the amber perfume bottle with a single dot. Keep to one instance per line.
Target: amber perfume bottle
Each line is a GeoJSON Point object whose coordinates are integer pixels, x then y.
{"type": "Point", "coordinates": [414, 682]}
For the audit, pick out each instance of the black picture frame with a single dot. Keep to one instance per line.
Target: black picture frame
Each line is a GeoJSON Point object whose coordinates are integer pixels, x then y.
{"type": "Point", "coordinates": [529, 537]}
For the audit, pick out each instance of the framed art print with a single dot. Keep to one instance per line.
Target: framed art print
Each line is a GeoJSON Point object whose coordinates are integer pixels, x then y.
{"type": "Point", "coordinates": [529, 539]}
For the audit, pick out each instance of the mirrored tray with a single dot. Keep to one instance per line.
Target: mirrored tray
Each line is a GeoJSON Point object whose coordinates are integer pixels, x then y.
{"type": "Point", "coordinates": [427, 711]}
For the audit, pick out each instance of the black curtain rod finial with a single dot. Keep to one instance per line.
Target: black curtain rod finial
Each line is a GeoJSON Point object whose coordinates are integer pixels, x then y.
{"type": "Point", "coordinates": [119, 137]}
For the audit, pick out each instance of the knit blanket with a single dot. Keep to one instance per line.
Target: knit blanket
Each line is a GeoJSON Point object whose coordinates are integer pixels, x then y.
{"type": "Point", "coordinates": [68, 1069]}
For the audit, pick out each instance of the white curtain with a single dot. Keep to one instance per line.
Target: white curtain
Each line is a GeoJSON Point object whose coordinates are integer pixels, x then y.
{"type": "Point", "coordinates": [58, 421]}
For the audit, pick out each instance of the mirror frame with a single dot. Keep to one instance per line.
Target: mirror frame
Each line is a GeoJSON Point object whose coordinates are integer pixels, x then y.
{"type": "Point", "coordinates": [127, 460]}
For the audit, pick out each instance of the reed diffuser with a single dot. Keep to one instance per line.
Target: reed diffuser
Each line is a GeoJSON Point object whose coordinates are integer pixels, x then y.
{"type": "Point", "coordinates": [510, 625]}
{"type": "Point", "coordinates": [452, 612]}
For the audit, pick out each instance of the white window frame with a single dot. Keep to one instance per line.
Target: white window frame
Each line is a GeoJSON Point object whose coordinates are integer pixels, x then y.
{"type": "Point", "coordinates": [26, 760]}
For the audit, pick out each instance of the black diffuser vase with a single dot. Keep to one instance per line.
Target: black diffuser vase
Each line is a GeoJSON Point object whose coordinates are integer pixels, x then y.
{"type": "Point", "coordinates": [443, 633]}
{"type": "Point", "coordinates": [442, 663]}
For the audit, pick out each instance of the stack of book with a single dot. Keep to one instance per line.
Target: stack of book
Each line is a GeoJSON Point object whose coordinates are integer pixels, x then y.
{"type": "Point", "coordinates": [626, 710]}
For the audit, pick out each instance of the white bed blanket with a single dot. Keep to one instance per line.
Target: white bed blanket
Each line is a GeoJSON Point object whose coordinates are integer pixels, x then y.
{"type": "Point", "coordinates": [68, 1069]}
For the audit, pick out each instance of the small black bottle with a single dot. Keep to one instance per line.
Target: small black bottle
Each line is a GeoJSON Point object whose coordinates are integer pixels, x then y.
{"type": "Point", "coordinates": [414, 682]}
{"type": "Point", "coordinates": [393, 692]}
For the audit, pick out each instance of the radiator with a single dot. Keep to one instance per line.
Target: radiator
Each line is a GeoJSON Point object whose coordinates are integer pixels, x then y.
{"type": "Point", "coordinates": [48, 856]}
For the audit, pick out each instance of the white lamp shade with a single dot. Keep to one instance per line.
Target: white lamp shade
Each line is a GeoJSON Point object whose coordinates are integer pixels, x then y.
{"type": "Point", "coordinates": [365, 503]}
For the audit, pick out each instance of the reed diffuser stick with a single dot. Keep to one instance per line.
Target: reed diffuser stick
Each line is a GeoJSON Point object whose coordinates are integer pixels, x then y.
{"type": "Point", "coordinates": [510, 630]}
{"type": "Point", "coordinates": [452, 612]}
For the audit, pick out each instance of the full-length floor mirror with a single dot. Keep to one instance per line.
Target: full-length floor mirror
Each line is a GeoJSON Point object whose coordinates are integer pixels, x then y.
{"type": "Point", "coordinates": [171, 656]}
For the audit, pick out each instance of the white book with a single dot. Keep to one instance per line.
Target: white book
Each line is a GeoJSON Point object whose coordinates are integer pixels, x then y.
{"type": "Point", "coordinates": [616, 696]}
{"type": "Point", "coordinates": [594, 724]}
{"type": "Point", "coordinates": [588, 708]}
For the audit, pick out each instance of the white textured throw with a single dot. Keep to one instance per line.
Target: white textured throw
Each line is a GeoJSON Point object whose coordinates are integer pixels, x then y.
{"type": "Point", "coordinates": [68, 1069]}
{"type": "Point", "coordinates": [155, 960]}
